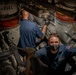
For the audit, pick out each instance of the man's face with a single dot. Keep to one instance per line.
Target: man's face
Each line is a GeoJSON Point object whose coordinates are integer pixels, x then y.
{"type": "Point", "coordinates": [54, 43]}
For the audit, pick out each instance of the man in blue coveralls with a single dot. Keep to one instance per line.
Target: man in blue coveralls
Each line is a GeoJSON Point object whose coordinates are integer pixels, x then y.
{"type": "Point", "coordinates": [28, 32]}
{"type": "Point", "coordinates": [55, 55]}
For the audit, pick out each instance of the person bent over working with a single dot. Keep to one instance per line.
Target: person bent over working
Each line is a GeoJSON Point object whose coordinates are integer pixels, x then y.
{"type": "Point", "coordinates": [28, 32]}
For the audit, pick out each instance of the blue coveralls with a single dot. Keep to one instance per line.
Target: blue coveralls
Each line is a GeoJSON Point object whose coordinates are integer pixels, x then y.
{"type": "Point", "coordinates": [56, 62]}
{"type": "Point", "coordinates": [28, 33]}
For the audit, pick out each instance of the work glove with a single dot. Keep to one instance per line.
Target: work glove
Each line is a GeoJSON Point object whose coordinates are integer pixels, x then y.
{"type": "Point", "coordinates": [47, 22]}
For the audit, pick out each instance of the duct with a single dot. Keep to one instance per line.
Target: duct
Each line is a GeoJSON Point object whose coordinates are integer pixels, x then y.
{"type": "Point", "coordinates": [69, 3]}
{"type": "Point", "coordinates": [67, 7]}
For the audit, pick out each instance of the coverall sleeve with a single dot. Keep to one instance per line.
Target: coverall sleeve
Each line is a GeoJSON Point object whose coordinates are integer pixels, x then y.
{"type": "Point", "coordinates": [39, 33]}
